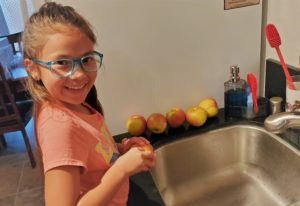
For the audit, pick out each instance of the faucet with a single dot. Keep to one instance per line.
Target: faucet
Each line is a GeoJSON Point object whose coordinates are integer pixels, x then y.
{"type": "Point", "coordinates": [279, 122]}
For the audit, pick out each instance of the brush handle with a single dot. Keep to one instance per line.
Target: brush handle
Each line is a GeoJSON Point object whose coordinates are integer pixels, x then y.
{"type": "Point", "coordinates": [254, 99]}
{"type": "Point", "coordinates": [285, 70]}
{"type": "Point", "coordinates": [255, 105]}
{"type": "Point", "coordinates": [254, 91]}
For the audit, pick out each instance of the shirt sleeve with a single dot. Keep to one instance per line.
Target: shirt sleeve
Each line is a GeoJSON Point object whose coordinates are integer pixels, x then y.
{"type": "Point", "coordinates": [62, 144]}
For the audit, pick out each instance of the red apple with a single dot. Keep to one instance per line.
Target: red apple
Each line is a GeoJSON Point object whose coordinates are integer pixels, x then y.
{"type": "Point", "coordinates": [175, 117]}
{"type": "Point", "coordinates": [210, 106]}
{"type": "Point", "coordinates": [157, 123]}
{"type": "Point", "coordinates": [196, 116]}
{"type": "Point", "coordinates": [136, 125]}
{"type": "Point", "coordinates": [146, 147]}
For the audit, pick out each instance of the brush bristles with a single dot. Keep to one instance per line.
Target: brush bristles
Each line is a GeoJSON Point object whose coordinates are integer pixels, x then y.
{"type": "Point", "coordinates": [272, 35]}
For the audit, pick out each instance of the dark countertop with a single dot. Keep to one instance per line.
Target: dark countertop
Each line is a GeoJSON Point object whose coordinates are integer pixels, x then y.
{"type": "Point", "coordinates": [142, 189]}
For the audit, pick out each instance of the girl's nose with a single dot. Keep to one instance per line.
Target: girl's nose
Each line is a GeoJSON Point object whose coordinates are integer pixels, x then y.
{"type": "Point", "coordinates": [78, 72]}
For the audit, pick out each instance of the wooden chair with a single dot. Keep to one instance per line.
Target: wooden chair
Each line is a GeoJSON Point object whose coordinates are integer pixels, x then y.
{"type": "Point", "coordinates": [10, 118]}
{"type": "Point", "coordinates": [15, 39]}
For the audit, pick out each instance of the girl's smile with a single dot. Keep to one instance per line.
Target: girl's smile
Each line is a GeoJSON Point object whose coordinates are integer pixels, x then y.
{"type": "Point", "coordinates": [76, 88]}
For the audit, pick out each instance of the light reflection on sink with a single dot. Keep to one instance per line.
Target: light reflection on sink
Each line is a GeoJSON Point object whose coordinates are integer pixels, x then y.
{"type": "Point", "coordinates": [241, 165]}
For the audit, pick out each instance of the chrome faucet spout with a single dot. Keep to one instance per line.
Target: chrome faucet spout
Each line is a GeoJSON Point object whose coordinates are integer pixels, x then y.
{"type": "Point", "coordinates": [279, 122]}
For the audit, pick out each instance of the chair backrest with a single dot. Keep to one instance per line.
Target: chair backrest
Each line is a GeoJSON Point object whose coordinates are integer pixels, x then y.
{"type": "Point", "coordinates": [10, 118]}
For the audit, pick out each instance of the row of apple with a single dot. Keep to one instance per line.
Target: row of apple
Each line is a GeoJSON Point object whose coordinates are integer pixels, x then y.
{"type": "Point", "coordinates": [175, 117]}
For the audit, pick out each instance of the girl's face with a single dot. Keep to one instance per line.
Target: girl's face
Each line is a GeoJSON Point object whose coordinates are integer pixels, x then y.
{"type": "Point", "coordinates": [70, 43]}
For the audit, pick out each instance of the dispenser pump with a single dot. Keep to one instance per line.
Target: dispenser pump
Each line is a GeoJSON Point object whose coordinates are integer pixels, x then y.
{"type": "Point", "coordinates": [234, 70]}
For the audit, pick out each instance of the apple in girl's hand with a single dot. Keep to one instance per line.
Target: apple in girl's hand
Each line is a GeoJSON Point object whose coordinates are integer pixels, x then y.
{"type": "Point", "coordinates": [210, 106]}
{"type": "Point", "coordinates": [175, 117]}
{"type": "Point", "coordinates": [157, 123]}
{"type": "Point", "coordinates": [146, 147]}
{"type": "Point", "coordinates": [196, 116]}
{"type": "Point", "coordinates": [136, 125]}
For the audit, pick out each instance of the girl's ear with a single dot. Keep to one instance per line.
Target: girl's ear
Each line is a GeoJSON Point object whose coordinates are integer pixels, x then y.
{"type": "Point", "coordinates": [32, 69]}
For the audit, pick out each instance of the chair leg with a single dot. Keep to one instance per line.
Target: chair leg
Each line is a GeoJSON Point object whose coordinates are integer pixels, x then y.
{"type": "Point", "coordinates": [28, 148]}
{"type": "Point", "coordinates": [3, 141]}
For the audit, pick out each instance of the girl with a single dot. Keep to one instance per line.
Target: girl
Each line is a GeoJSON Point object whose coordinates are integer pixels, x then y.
{"type": "Point", "coordinates": [82, 163]}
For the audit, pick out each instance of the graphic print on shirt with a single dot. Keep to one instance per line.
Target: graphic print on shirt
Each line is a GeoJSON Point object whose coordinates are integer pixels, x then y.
{"type": "Point", "coordinates": [105, 151]}
{"type": "Point", "coordinates": [106, 148]}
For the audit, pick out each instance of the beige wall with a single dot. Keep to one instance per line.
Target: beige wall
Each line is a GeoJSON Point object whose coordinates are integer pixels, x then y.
{"type": "Point", "coordinates": [37, 3]}
{"type": "Point", "coordinates": [164, 53]}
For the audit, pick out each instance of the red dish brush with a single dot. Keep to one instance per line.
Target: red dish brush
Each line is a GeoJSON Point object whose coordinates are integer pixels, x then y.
{"type": "Point", "coordinates": [274, 40]}
{"type": "Point", "coordinates": [253, 87]}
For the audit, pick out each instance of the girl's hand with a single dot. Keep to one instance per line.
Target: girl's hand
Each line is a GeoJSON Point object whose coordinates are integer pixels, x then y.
{"type": "Point", "coordinates": [136, 160]}
{"type": "Point", "coordinates": [127, 143]}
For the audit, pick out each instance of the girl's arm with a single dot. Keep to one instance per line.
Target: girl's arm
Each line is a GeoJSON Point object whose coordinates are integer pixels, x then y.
{"type": "Point", "coordinates": [62, 184]}
{"type": "Point", "coordinates": [132, 162]}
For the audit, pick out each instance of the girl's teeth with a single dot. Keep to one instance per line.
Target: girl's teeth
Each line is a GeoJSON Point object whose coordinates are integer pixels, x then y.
{"type": "Point", "coordinates": [80, 87]}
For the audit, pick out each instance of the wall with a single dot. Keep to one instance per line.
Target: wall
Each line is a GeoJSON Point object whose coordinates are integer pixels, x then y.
{"type": "Point", "coordinates": [37, 3]}
{"type": "Point", "coordinates": [164, 53]}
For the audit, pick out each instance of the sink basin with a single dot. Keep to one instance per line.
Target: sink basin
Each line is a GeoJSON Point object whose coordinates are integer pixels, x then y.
{"type": "Point", "coordinates": [237, 166]}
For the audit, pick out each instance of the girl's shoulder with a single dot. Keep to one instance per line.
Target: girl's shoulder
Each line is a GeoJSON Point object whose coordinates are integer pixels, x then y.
{"type": "Point", "coordinates": [55, 112]}
{"type": "Point", "coordinates": [59, 113]}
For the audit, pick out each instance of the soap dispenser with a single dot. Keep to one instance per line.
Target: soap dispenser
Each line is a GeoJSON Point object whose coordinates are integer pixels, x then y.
{"type": "Point", "coordinates": [235, 95]}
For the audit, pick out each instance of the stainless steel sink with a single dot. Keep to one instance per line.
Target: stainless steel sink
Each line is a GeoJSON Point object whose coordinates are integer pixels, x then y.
{"type": "Point", "coordinates": [237, 166]}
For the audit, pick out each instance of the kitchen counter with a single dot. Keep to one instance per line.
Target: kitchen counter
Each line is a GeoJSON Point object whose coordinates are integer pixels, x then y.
{"type": "Point", "coordinates": [143, 190]}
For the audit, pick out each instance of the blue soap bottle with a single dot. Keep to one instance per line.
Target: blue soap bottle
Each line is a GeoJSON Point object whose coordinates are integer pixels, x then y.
{"type": "Point", "coordinates": [235, 95]}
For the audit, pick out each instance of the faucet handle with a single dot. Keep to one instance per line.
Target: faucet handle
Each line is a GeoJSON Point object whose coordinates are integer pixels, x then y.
{"type": "Point", "coordinates": [279, 122]}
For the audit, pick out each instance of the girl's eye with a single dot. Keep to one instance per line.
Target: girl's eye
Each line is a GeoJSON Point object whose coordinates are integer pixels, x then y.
{"type": "Point", "coordinates": [62, 62]}
{"type": "Point", "coordinates": [87, 59]}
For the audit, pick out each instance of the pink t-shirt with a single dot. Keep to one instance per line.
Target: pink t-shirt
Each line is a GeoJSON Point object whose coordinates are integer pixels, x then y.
{"type": "Point", "coordinates": [71, 138]}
